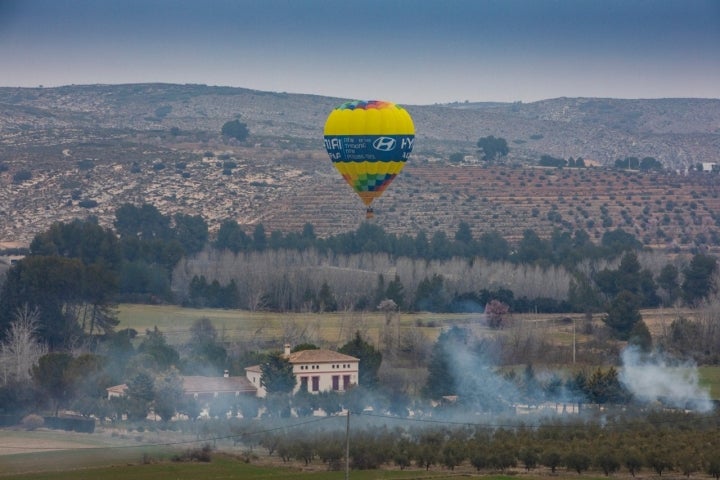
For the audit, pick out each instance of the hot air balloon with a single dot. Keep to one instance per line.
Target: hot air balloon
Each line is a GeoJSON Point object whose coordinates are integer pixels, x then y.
{"type": "Point", "coordinates": [369, 143]}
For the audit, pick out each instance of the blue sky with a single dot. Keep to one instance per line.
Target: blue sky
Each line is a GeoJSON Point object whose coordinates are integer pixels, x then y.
{"type": "Point", "coordinates": [407, 51]}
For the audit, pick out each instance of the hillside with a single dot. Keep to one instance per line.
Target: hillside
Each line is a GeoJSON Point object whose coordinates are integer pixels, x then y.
{"type": "Point", "coordinates": [88, 149]}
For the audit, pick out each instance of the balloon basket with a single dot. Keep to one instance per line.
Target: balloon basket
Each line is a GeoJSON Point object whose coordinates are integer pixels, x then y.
{"type": "Point", "coordinates": [369, 213]}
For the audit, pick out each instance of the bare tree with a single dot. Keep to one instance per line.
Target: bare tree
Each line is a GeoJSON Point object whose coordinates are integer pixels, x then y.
{"type": "Point", "coordinates": [352, 322]}
{"type": "Point", "coordinates": [709, 323]}
{"type": "Point", "coordinates": [294, 332]}
{"type": "Point", "coordinates": [21, 349]}
{"type": "Point", "coordinates": [284, 276]}
{"type": "Point", "coordinates": [527, 342]}
{"type": "Point", "coordinates": [391, 330]}
{"type": "Point", "coordinates": [389, 308]}
{"type": "Point", "coordinates": [414, 345]}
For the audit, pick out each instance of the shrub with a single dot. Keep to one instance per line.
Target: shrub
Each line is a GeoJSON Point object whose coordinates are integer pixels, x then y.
{"type": "Point", "coordinates": [495, 312]}
{"type": "Point", "coordinates": [194, 455]}
{"type": "Point", "coordinates": [235, 129]}
{"type": "Point", "coordinates": [32, 422]}
{"type": "Point", "coordinates": [22, 176]}
{"type": "Point", "coordinates": [88, 203]}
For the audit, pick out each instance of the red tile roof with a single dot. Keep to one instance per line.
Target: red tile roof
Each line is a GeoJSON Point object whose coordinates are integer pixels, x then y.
{"type": "Point", "coordinates": [320, 356]}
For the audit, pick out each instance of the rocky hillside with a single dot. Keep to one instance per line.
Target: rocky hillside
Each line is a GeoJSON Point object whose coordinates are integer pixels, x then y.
{"type": "Point", "coordinates": [83, 150]}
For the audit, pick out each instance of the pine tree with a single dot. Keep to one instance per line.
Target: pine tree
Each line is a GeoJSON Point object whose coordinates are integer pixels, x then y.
{"type": "Point", "coordinates": [277, 374]}
{"type": "Point", "coordinates": [441, 375]}
{"type": "Point", "coordinates": [622, 314]}
{"type": "Point", "coordinates": [370, 360]}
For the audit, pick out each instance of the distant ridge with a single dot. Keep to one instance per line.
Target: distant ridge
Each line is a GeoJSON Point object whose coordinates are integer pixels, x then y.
{"type": "Point", "coordinates": [147, 142]}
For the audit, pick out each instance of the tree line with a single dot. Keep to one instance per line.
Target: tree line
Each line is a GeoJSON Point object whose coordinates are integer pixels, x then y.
{"type": "Point", "coordinates": [491, 148]}
{"type": "Point", "coordinates": [635, 163]}
{"type": "Point", "coordinates": [77, 271]}
{"type": "Point", "coordinates": [660, 443]}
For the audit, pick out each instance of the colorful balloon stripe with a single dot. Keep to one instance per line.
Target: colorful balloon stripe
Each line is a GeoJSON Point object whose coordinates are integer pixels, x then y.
{"type": "Point", "coordinates": [365, 105]}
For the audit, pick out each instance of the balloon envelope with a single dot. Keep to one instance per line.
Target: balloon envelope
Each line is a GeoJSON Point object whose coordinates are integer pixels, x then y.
{"type": "Point", "coordinates": [369, 142]}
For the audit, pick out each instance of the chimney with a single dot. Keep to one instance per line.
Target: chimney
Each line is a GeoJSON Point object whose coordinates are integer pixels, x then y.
{"type": "Point", "coordinates": [286, 353]}
{"type": "Point", "coordinates": [226, 373]}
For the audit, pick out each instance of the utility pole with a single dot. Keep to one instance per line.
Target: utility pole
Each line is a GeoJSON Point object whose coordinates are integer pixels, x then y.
{"type": "Point", "coordinates": [574, 341]}
{"type": "Point", "coordinates": [347, 447]}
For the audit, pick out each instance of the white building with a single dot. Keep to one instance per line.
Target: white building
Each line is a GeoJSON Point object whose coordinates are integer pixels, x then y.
{"type": "Point", "coordinates": [315, 371]}
{"type": "Point", "coordinates": [203, 389]}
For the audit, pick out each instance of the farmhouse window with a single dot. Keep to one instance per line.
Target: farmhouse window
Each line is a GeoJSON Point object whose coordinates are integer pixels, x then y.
{"type": "Point", "coordinates": [346, 382]}
{"type": "Point", "coordinates": [336, 382]}
{"type": "Point", "coordinates": [315, 384]}
{"type": "Point", "coordinates": [303, 384]}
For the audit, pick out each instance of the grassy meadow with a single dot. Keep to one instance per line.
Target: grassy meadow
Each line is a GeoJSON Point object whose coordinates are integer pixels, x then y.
{"type": "Point", "coordinates": [710, 379]}
{"type": "Point", "coordinates": [332, 328]}
{"type": "Point", "coordinates": [336, 327]}
{"type": "Point", "coordinates": [228, 467]}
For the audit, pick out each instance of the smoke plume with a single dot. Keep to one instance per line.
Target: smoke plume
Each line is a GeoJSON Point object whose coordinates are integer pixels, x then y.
{"type": "Point", "coordinates": [654, 378]}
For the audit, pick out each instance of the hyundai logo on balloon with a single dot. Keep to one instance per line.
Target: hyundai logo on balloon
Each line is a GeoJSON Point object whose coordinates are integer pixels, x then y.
{"type": "Point", "coordinates": [384, 144]}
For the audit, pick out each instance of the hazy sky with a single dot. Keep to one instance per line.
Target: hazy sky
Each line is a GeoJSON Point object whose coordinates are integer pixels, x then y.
{"type": "Point", "coordinates": [411, 51]}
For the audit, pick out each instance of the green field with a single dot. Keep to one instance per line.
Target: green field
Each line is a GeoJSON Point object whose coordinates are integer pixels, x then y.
{"type": "Point", "coordinates": [710, 378]}
{"type": "Point", "coordinates": [69, 455]}
{"type": "Point", "coordinates": [229, 468]}
{"type": "Point", "coordinates": [333, 328]}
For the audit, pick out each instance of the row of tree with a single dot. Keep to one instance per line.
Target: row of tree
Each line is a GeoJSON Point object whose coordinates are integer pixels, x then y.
{"type": "Point", "coordinates": [144, 234]}
{"type": "Point", "coordinates": [562, 248]}
{"type": "Point", "coordinates": [635, 163]}
{"type": "Point", "coordinates": [550, 161]}
{"type": "Point", "coordinates": [660, 445]}
{"type": "Point", "coordinates": [492, 148]}
{"type": "Point", "coordinates": [623, 291]}
{"type": "Point", "coordinates": [77, 271]}
{"type": "Point", "coordinates": [286, 281]}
